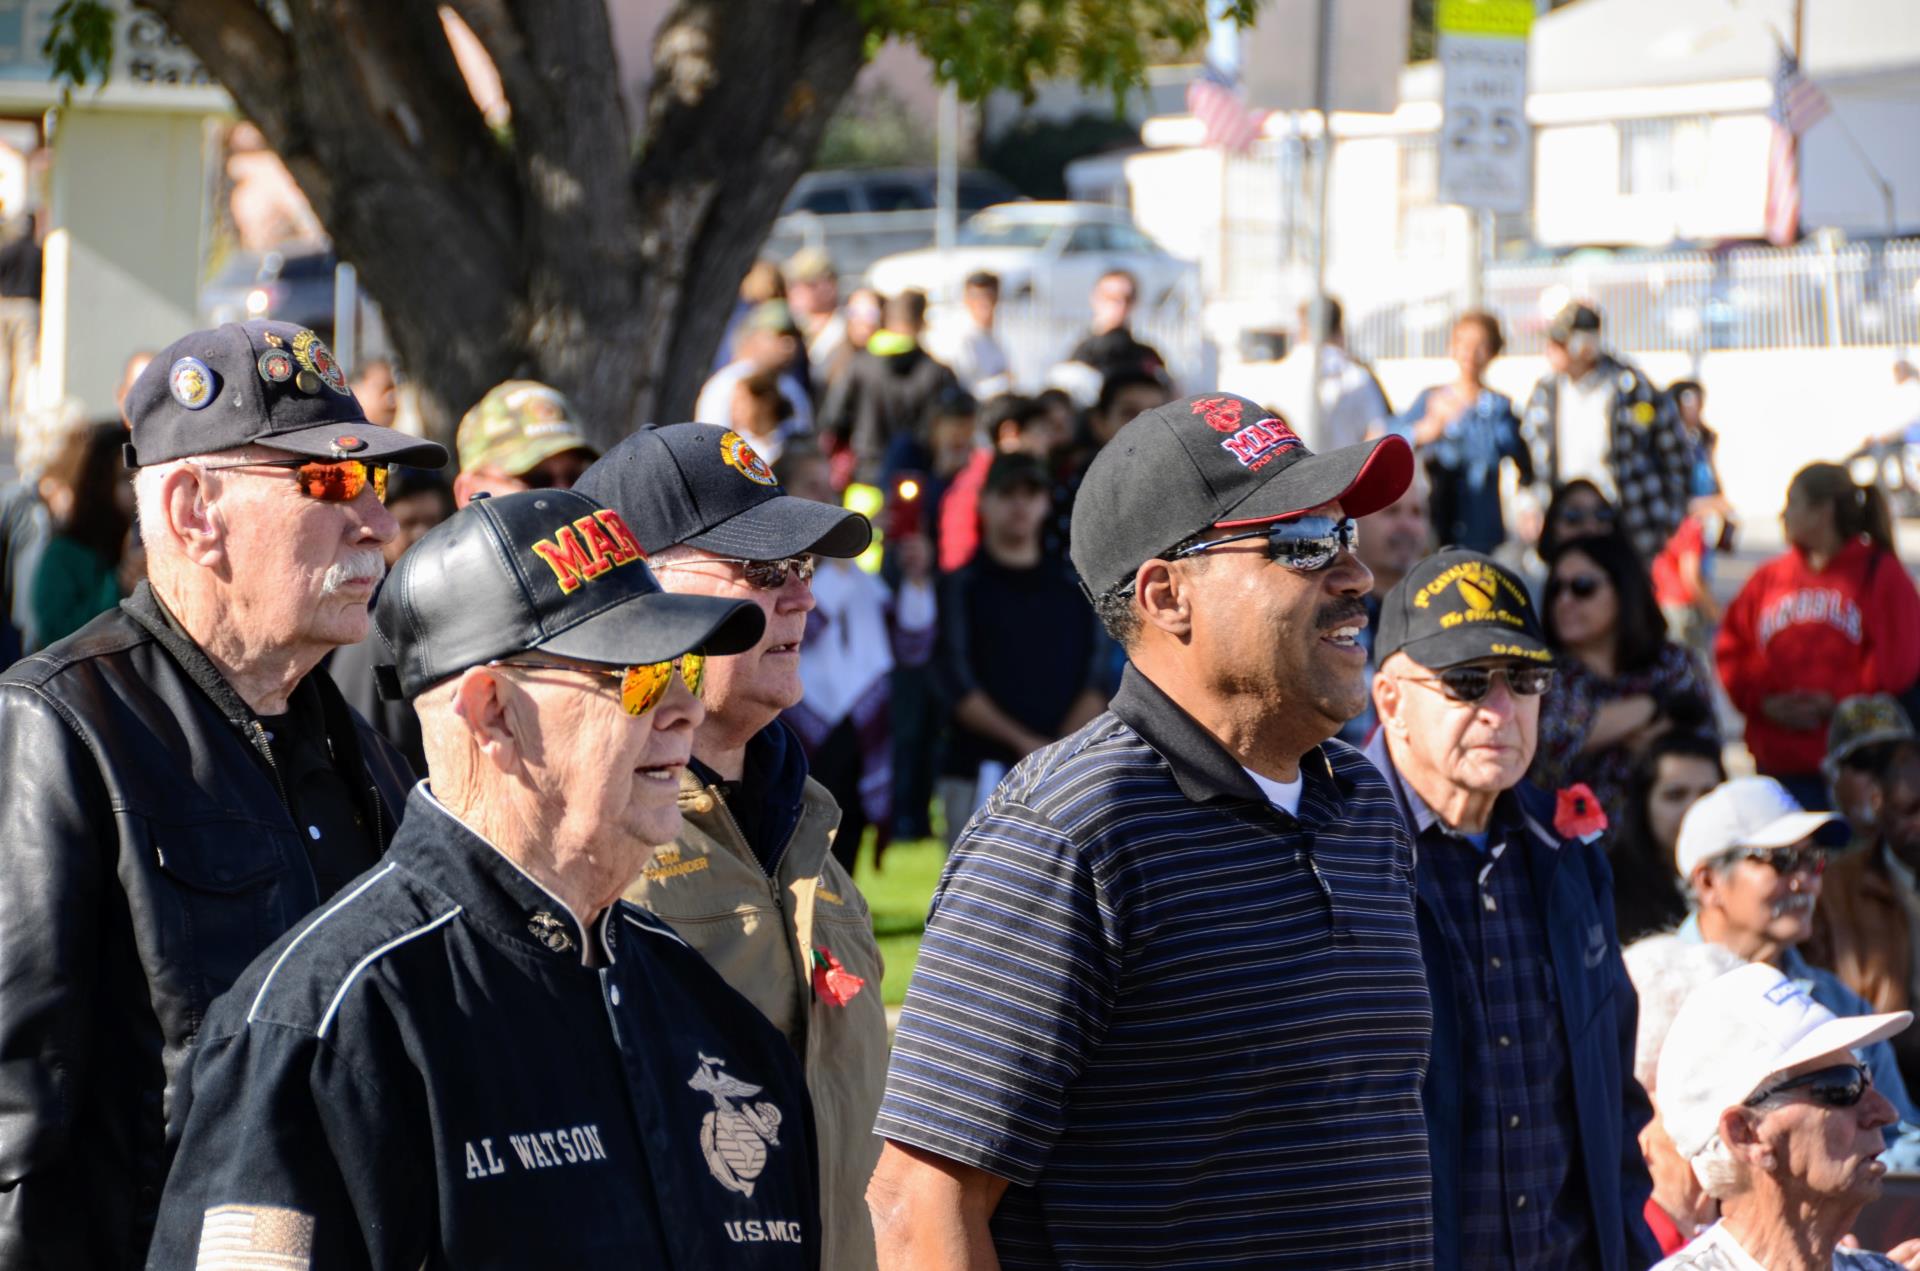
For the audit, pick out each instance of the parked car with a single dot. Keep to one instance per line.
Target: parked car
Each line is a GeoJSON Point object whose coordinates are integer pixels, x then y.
{"type": "Point", "coordinates": [847, 191]}
{"type": "Point", "coordinates": [1048, 255]}
{"type": "Point", "coordinates": [290, 284]}
{"type": "Point", "coordinates": [857, 215]}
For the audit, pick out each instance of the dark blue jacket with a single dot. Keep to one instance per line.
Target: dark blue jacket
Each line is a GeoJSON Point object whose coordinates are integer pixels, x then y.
{"type": "Point", "coordinates": [1599, 1012]}
{"type": "Point", "coordinates": [426, 1074]}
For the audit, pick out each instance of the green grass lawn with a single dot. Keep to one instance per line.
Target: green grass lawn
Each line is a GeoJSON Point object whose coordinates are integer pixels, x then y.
{"type": "Point", "coordinates": [898, 896]}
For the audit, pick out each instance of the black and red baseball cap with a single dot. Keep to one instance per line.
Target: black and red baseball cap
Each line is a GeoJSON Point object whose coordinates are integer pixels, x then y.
{"type": "Point", "coordinates": [542, 569]}
{"type": "Point", "coordinates": [703, 485]}
{"type": "Point", "coordinates": [1210, 461]}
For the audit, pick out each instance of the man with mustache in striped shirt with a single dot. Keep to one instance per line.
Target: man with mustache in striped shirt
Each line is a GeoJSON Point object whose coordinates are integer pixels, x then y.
{"type": "Point", "coordinates": [1170, 1010]}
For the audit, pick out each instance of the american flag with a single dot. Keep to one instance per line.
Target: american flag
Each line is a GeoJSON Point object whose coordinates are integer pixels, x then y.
{"type": "Point", "coordinates": [1798, 104]}
{"type": "Point", "coordinates": [1214, 99]}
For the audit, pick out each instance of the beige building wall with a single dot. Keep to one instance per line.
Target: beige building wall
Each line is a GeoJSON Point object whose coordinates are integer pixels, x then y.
{"type": "Point", "coordinates": [127, 192]}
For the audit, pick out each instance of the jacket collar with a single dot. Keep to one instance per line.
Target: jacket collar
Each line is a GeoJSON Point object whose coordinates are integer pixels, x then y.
{"type": "Point", "coordinates": [1508, 812]}
{"type": "Point", "coordinates": [1201, 766]}
{"type": "Point", "coordinates": [775, 776]}
{"type": "Point", "coordinates": [315, 690]}
{"type": "Point", "coordinates": [441, 849]}
{"type": "Point", "coordinates": [152, 613]}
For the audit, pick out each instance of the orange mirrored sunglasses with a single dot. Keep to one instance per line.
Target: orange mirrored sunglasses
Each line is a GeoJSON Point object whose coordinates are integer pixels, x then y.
{"type": "Point", "coordinates": [642, 686]}
{"type": "Point", "coordinates": [338, 482]}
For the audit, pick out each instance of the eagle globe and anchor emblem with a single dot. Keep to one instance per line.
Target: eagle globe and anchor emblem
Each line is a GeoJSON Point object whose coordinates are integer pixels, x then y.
{"type": "Point", "coordinates": [736, 1135]}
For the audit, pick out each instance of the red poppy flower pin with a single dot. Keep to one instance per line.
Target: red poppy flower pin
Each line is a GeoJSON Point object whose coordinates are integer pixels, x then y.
{"type": "Point", "coordinates": [1578, 814]}
{"type": "Point", "coordinates": [833, 983]}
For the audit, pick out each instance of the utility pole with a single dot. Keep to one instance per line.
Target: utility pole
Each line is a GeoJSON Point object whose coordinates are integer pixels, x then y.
{"type": "Point", "coordinates": [1317, 319]}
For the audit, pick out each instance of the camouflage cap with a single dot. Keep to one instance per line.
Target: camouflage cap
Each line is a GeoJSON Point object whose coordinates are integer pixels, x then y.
{"type": "Point", "coordinates": [518, 424]}
{"type": "Point", "coordinates": [809, 264]}
{"type": "Point", "coordinates": [771, 315]}
{"type": "Point", "coordinates": [1862, 721]}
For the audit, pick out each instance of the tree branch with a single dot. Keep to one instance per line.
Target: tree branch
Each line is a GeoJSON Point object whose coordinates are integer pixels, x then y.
{"type": "Point", "coordinates": [717, 162]}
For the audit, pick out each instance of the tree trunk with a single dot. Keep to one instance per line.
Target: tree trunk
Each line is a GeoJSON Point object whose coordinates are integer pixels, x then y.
{"type": "Point", "coordinates": [564, 251]}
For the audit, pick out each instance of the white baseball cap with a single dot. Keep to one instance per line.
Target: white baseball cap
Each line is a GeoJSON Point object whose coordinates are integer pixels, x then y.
{"type": "Point", "coordinates": [1737, 1032]}
{"type": "Point", "coordinates": [1744, 812]}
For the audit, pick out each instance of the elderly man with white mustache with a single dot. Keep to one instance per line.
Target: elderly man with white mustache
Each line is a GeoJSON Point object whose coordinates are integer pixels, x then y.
{"type": "Point", "coordinates": [180, 790]}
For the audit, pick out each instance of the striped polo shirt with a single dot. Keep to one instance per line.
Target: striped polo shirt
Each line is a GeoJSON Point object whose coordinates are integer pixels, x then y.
{"type": "Point", "coordinates": [1189, 1028]}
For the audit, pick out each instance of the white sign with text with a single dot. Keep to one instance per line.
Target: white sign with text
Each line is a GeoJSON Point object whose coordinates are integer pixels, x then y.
{"type": "Point", "coordinates": [1486, 146]}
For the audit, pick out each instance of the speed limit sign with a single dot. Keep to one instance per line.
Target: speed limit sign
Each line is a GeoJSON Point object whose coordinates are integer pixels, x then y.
{"type": "Point", "coordinates": [1486, 146]}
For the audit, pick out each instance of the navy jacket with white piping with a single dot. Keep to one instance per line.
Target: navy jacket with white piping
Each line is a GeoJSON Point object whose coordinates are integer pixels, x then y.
{"type": "Point", "coordinates": [427, 1074]}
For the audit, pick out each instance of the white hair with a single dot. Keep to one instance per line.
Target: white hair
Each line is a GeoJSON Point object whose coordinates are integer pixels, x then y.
{"type": "Point", "coordinates": [149, 507]}
{"type": "Point", "coordinates": [1721, 1174]}
{"type": "Point", "coordinates": [1664, 970]}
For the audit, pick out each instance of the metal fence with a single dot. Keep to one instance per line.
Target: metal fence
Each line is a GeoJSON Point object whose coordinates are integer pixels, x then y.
{"type": "Point", "coordinates": [1750, 298]}
{"type": "Point", "coordinates": [1037, 339]}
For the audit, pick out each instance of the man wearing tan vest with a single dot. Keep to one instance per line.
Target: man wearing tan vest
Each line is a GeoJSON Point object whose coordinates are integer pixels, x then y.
{"type": "Point", "coordinates": [751, 882]}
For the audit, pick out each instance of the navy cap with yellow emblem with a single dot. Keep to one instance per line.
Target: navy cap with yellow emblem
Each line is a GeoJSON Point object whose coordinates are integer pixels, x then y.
{"type": "Point", "coordinates": [705, 486]}
{"type": "Point", "coordinates": [1459, 606]}
{"type": "Point", "coordinates": [257, 383]}
{"type": "Point", "coordinates": [542, 569]}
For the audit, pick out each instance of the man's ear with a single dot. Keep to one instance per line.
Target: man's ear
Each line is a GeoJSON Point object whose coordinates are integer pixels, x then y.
{"type": "Point", "coordinates": [465, 486]}
{"type": "Point", "coordinates": [482, 701]}
{"type": "Point", "coordinates": [1164, 594]}
{"type": "Point", "coordinates": [1740, 1132]}
{"type": "Point", "coordinates": [1387, 700]}
{"type": "Point", "coordinates": [1702, 881]}
{"type": "Point", "coordinates": [190, 516]}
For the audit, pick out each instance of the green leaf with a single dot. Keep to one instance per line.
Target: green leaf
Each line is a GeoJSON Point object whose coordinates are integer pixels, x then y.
{"type": "Point", "coordinates": [983, 45]}
{"type": "Point", "coordinates": [79, 44]}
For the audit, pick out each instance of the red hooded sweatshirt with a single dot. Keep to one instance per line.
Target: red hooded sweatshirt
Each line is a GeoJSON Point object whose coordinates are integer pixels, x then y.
{"type": "Point", "coordinates": [1853, 627]}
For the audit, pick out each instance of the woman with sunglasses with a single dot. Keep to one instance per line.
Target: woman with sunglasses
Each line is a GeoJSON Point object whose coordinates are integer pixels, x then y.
{"type": "Point", "coordinates": [1621, 682]}
{"type": "Point", "coordinates": [1833, 615]}
{"type": "Point", "coordinates": [1577, 510]}
{"type": "Point", "coordinates": [1763, 1097]}
{"type": "Point", "coordinates": [1753, 873]}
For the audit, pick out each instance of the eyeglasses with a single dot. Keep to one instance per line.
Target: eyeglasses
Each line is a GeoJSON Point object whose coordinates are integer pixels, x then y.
{"type": "Point", "coordinates": [1583, 586]}
{"type": "Point", "coordinates": [1784, 860]}
{"type": "Point", "coordinates": [1841, 1086]}
{"type": "Point", "coordinates": [337, 482]}
{"type": "Point", "coordinates": [767, 575]}
{"type": "Point", "coordinates": [1305, 544]}
{"type": "Point", "coordinates": [1472, 683]}
{"type": "Point", "coordinates": [1585, 516]}
{"type": "Point", "coordinates": [641, 686]}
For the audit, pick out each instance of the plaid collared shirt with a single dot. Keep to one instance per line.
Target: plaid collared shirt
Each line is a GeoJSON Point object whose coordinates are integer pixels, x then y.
{"type": "Point", "coordinates": [1524, 1200]}
{"type": "Point", "coordinates": [1648, 452]}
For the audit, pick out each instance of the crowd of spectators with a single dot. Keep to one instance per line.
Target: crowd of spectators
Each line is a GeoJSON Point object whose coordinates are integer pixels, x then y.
{"type": "Point", "coordinates": [962, 641]}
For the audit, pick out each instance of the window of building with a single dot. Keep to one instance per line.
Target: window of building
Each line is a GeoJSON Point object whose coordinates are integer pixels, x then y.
{"type": "Point", "coordinates": [1662, 156]}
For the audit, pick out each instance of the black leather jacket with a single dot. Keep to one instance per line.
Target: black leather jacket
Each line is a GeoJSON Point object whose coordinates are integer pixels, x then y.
{"type": "Point", "coordinates": [146, 856]}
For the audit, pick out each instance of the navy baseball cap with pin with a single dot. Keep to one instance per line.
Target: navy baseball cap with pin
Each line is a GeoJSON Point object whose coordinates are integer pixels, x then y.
{"type": "Point", "coordinates": [258, 383]}
{"type": "Point", "coordinates": [703, 485]}
{"type": "Point", "coordinates": [1459, 606]}
{"type": "Point", "coordinates": [1214, 461]}
{"type": "Point", "coordinates": [542, 569]}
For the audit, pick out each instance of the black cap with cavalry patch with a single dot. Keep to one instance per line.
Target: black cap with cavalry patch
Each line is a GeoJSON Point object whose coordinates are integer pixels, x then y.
{"type": "Point", "coordinates": [1214, 460]}
{"type": "Point", "coordinates": [542, 569]}
{"type": "Point", "coordinates": [1459, 606]}
{"type": "Point", "coordinates": [257, 383]}
{"type": "Point", "coordinates": [703, 485]}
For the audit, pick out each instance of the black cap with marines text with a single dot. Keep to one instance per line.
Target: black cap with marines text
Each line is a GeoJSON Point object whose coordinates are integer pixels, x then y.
{"type": "Point", "coordinates": [542, 569]}
{"type": "Point", "coordinates": [257, 383]}
{"type": "Point", "coordinates": [705, 486]}
{"type": "Point", "coordinates": [1214, 461]}
{"type": "Point", "coordinates": [1459, 606]}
